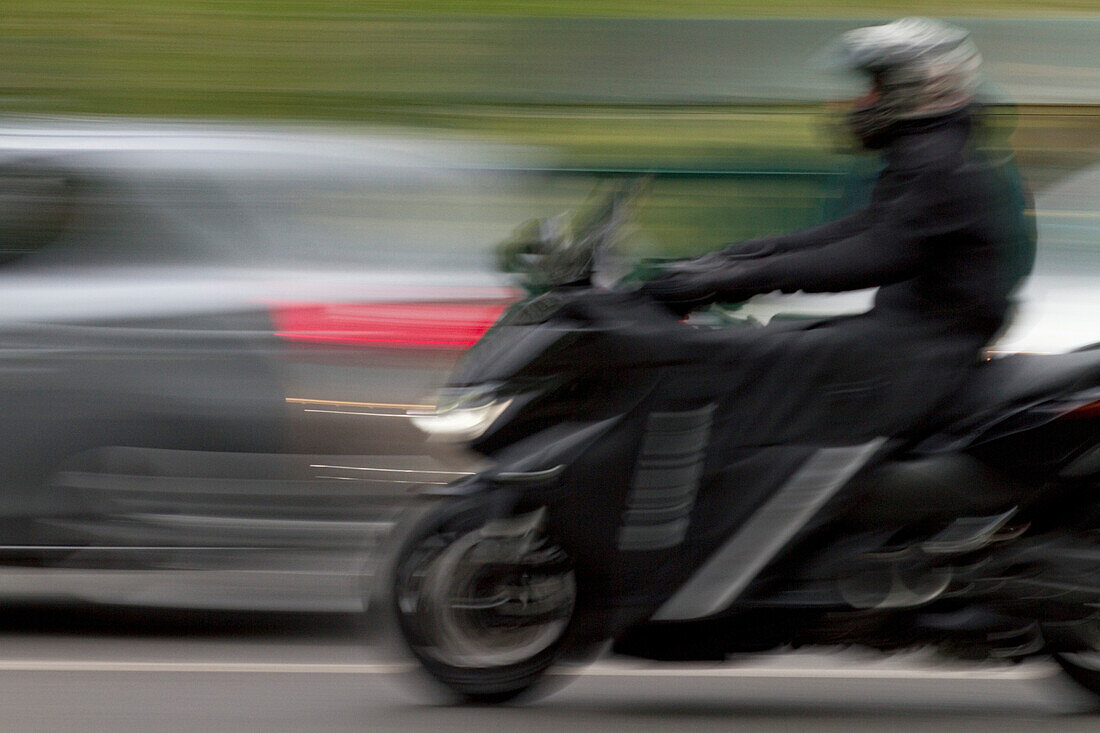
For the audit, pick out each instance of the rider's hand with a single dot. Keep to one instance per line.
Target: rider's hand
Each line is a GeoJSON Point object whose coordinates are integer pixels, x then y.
{"type": "Point", "coordinates": [684, 285]}
{"type": "Point", "coordinates": [687, 284]}
{"type": "Point", "coordinates": [750, 249]}
{"type": "Point", "coordinates": [674, 278]}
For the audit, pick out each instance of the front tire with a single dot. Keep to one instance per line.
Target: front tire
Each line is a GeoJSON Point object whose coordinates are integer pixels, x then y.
{"type": "Point", "coordinates": [484, 612]}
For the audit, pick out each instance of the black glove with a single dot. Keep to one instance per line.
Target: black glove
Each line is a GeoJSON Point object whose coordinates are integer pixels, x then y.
{"type": "Point", "coordinates": [683, 281]}
{"type": "Point", "coordinates": [750, 249]}
{"type": "Point", "coordinates": [689, 284]}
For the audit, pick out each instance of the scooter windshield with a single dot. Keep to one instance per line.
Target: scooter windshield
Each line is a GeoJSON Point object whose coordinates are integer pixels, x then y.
{"type": "Point", "coordinates": [572, 248]}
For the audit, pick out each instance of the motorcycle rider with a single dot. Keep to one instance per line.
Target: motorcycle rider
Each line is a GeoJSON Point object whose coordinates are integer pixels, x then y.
{"type": "Point", "coordinates": [945, 240]}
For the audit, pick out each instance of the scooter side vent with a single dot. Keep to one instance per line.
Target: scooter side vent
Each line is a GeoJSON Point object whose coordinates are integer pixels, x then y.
{"type": "Point", "coordinates": [666, 479]}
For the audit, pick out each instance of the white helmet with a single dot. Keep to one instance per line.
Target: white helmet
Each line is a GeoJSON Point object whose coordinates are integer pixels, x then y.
{"type": "Point", "coordinates": [919, 67]}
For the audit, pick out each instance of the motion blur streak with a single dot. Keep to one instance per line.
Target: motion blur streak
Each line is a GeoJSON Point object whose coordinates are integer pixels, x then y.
{"type": "Point", "coordinates": [342, 403]}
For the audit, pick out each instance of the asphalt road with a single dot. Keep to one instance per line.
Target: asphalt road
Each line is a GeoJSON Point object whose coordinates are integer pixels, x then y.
{"type": "Point", "coordinates": [103, 670]}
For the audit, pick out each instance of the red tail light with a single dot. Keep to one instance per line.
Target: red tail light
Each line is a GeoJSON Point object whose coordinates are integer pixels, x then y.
{"type": "Point", "coordinates": [431, 325]}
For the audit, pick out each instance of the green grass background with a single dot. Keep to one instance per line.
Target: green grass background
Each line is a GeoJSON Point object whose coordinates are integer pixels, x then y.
{"type": "Point", "coordinates": [318, 59]}
{"type": "Point", "coordinates": [350, 62]}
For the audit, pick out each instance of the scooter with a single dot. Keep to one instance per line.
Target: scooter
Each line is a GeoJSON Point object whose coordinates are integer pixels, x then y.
{"type": "Point", "coordinates": [611, 512]}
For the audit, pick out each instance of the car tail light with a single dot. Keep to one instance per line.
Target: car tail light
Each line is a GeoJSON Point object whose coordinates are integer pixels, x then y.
{"type": "Point", "coordinates": [423, 325]}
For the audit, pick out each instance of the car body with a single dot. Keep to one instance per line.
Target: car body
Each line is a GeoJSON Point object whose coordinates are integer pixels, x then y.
{"type": "Point", "coordinates": [209, 340]}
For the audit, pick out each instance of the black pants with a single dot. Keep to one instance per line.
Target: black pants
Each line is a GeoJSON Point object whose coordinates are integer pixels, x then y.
{"type": "Point", "coordinates": [835, 382]}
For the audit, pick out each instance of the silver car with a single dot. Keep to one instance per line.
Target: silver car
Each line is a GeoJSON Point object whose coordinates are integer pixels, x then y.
{"type": "Point", "coordinates": [209, 341]}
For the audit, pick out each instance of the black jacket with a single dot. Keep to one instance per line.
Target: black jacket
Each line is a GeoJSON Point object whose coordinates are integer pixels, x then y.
{"type": "Point", "coordinates": [945, 238]}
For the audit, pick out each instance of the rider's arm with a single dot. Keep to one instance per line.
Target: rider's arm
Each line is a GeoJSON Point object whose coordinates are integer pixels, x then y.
{"type": "Point", "coordinates": [864, 261]}
{"type": "Point", "coordinates": [811, 238]}
{"type": "Point", "coordinates": [892, 249]}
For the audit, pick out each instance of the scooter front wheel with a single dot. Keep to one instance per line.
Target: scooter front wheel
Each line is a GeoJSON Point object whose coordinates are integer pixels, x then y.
{"type": "Point", "coordinates": [482, 604]}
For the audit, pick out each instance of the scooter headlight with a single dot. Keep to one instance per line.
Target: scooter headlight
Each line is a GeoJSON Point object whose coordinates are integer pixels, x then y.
{"type": "Point", "coordinates": [462, 414]}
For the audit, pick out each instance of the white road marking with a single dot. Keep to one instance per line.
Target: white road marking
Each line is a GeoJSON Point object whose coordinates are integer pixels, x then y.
{"type": "Point", "coordinates": [1017, 672]}
{"type": "Point", "coordinates": [1027, 671]}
